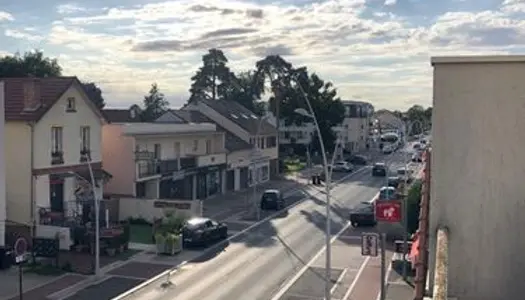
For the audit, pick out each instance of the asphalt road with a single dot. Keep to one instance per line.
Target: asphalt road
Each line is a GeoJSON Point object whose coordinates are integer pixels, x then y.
{"type": "Point", "coordinates": [257, 263]}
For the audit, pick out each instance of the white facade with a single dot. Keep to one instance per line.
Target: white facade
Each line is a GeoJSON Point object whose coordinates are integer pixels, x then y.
{"type": "Point", "coordinates": [478, 171]}
{"type": "Point", "coordinates": [293, 134]}
{"type": "Point", "coordinates": [3, 205]}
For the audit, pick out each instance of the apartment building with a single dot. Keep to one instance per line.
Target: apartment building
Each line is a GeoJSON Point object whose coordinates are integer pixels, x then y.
{"type": "Point", "coordinates": [183, 161]}
{"type": "Point", "coordinates": [478, 166]}
{"type": "Point", "coordinates": [54, 133]}
{"type": "Point", "coordinates": [245, 125]}
{"type": "Point", "coordinates": [238, 152]}
{"type": "Point", "coordinates": [354, 132]}
{"type": "Point", "coordinates": [3, 206]}
{"type": "Point", "coordinates": [293, 138]}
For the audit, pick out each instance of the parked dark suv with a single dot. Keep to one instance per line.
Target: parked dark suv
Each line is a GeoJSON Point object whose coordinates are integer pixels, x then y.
{"type": "Point", "coordinates": [363, 214]}
{"type": "Point", "coordinates": [272, 199]}
{"type": "Point", "coordinates": [379, 169]}
{"type": "Point", "coordinates": [203, 231]}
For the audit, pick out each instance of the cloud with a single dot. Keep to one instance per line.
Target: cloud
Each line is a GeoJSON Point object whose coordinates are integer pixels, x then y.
{"type": "Point", "coordinates": [5, 16]}
{"type": "Point", "coordinates": [24, 34]}
{"type": "Point", "coordinates": [378, 49]}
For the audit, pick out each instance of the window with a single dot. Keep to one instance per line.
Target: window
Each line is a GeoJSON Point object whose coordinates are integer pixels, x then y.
{"type": "Point", "coordinates": [300, 134]}
{"type": "Point", "coordinates": [85, 134]}
{"type": "Point", "coordinates": [195, 145]}
{"type": "Point", "coordinates": [156, 153]}
{"type": "Point", "coordinates": [287, 135]}
{"type": "Point", "coordinates": [271, 141]}
{"type": "Point", "coordinates": [140, 190]}
{"type": "Point", "coordinates": [208, 146]}
{"type": "Point", "coordinates": [71, 107]}
{"type": "Point", "coordinates": [177, 149]}
{"type": "Point", "coordinates": [56, 139]}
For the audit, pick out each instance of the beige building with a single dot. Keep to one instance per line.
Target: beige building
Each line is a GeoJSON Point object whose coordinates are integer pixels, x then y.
{"type": "Point", "coordinates": [355, 130]}
{"type": "Point", "coordinates": [54, 131]}
{"type": "Point", "coordinates": [177, 161]}
{"type": "Point", "coordinates": [478, 169]}
{"type": "Point", "coordinates": [3, 207]}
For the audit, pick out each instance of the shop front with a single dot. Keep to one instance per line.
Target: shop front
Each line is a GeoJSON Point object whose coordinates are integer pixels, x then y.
{"type": "Point", "coordinates": [178, 186]}
{"type": "Point", "coordinates": [259, 172]}
{"type": "Point", "coordinates": [210, 181]}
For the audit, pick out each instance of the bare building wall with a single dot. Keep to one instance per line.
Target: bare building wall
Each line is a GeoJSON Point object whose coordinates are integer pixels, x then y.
{"type": "Point", "coordinates": [478, 174]}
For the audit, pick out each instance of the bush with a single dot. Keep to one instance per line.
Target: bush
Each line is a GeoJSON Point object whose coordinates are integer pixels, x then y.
{"type": "Point", "coordinates": [413, 201]}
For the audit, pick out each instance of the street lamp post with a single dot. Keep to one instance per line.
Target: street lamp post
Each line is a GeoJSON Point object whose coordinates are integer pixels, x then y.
{"type": "Point", "coordinates": [255, 182]}
{"type": "Point", "coordinates": [96, 201]}
{"type": "Point", "coordinates": [328, 183]}
{"type": "Point", "coordinates": [408, 129]}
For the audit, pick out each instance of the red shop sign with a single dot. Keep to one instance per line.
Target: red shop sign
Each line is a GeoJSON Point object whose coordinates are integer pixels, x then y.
{"type": "Point", "coordinates": [388, 211]}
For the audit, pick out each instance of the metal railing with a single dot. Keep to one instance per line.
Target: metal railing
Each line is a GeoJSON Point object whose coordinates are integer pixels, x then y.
{"type": "Point", "coordinates": [440, 289]}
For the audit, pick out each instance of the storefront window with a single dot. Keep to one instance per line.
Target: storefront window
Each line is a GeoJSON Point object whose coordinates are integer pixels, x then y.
{"type": "Point", "coordinates": [214, 183]}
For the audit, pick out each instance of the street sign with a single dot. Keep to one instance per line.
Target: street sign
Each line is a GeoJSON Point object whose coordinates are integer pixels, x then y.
{"type": "Point", "coordinates": [20, 250]}
{"type": "Point", "coordinates": [369, 244]}
{"type": "Point", "coordinates": [388, 211]}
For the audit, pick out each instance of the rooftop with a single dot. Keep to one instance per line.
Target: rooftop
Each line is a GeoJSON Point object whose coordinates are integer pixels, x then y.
{"type": "Point", "coordinates": [477, 59]}
{"type": "Point", "coordinates": [241, 116]}
{"type": "Point", "coordinates": [167, 128]}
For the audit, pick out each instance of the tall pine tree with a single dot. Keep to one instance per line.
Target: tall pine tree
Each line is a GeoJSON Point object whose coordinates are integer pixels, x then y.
{"type": "Point", "coordinates": [213, 80]}
{"type": "Point", "coordinates": [154, 104]}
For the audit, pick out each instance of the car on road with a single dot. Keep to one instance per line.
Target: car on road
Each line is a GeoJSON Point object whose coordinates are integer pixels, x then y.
{"type": "Point", "coordinates": [203, 231]}
{"type": "Point", "coordinates": [387, 193]}
{"type": "Point", "coordinates": [363, 214]}
{"type": "Point", "coordinates": [393, 181]}
{"type": "Point", "coordinates": [417, 146]}
{"type": "Point", "coordinates": [379, 169]}
{"type": "Point", "coordinates": [272, 199]}
{"type": "Point", "coordinates": [405, 173]}
{"type": "Point", "coordinates": [359, 160]}
{"type": "Point", "coordinates": [343, 166]}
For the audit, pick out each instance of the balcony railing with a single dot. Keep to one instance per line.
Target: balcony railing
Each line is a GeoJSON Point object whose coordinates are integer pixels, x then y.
{"type": "Point", "coordinates": [57, 157]}
{"type": "Point", "coordinates": [166, 166]}
{"type": "Point", "coordinates": [148, 169]}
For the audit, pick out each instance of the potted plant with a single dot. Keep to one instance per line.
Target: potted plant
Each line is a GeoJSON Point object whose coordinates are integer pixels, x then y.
{"type": "Point", "coordinates": [172, 244]}
{"type": "Point", "coordinates": [160, 242]}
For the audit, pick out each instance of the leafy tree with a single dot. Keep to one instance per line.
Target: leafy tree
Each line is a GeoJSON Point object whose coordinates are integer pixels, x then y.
{"type": "Point", "coordinates": [154, 104]}
{"type": "Point", "coordinates": [247, 91]}
{"type": "Point", "coordinates": [32, 63]}
{"type": "Point", "coordinates": [94, 93]}
{"type": "Point", "coordinates": [419, 117]}
{"type": "Point", "coordinates": [213, 80]}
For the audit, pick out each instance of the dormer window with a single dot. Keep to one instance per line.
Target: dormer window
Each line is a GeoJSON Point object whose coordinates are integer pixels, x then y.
{"type": "Point", "coordinates": [71, 105]}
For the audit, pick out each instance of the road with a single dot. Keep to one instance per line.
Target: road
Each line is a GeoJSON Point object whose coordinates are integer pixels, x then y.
{"type": "Point", "coordinates": [257, 263]}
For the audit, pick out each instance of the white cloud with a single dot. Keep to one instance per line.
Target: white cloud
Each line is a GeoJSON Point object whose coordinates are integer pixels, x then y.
{"type": "Point", "coordinates": [384, 59]}
{"type": "Point", "coordinates": [69, 8]}
{"type": "Point", "coordinates": [5, 16]}
{"type": "Point", "coordinates": [23, 34]}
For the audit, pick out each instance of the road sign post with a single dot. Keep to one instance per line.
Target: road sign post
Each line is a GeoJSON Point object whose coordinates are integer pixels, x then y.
{"type": "Point", "coordinates": [20, 252]}
{"type": "Point", "coordinates": [383, 266]}
{"type": "Point", "coordinates": [369, 244]}
{"type": "Point", "coordinates": [388, 211]}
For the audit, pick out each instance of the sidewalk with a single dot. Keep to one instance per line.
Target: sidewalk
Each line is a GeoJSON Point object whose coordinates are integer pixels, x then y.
{"type": "Point", "coordinates": [397, 288]}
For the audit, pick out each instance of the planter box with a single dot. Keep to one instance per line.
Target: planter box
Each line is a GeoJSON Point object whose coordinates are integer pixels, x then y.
{"type": "Point", "coordinates": [170, 247]}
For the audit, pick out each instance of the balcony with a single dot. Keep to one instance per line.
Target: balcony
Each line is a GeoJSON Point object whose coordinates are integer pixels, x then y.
{"type": "Point", "coordinates": [85, 155]}
{"type": "Point", "coordinates": [148, 169]}
{"type": "Point", "coordinates": [57, 157]}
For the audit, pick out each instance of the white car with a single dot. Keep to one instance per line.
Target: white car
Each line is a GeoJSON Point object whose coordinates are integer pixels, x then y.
{"type": "Point", "coordinates": [343, 166]}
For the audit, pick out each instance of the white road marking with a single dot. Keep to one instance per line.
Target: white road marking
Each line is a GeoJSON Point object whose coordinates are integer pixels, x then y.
{"type": "Point", "coordinates": [356, 278]}
{"type": "Point", "coordinates": [338, 281]}
{"type": "Point", "coordinates": [387, 275]}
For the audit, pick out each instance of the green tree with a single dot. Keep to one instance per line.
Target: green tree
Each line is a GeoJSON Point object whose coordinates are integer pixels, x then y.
{"type": "Point", "coordinates": [247, 90]}
{"type": "Point", "coordinates": [94, 93]}
{"type": "Point", "coordinates": [416, 117]}
{"type": "Point", "coordinates": [154, 104]}
{"type": "Point", "coordinates": [214, 79]}
{"type": "Point", "coordinates": [32, 63]}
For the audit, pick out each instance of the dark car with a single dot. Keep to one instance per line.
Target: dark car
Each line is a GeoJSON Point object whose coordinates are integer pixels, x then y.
{"type": "Point", "coordinates": [394, 181]}
{"type": "Point", "coordinates": [272, 199]}
{"type": "Point", "coordinates": [202, 231]}
{"type": "Point", "coordinates": [363, 214]}
{"type": "Point", "coordinates": [387, 193]}
{"type": "Point", "coordinates": [359, 160]}
{"type": "Point", "coordinates": [379, 169]}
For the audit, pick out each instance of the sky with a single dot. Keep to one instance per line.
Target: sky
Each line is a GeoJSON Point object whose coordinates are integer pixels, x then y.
{"type": "Point", "coordinates": [371, 50]}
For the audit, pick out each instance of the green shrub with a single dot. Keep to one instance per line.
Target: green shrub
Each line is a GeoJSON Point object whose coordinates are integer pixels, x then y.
{"type": "Point", "coordinates": [413, 202]}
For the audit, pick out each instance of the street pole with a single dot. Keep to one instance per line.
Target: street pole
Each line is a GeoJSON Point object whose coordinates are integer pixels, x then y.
{"type": "Point", "coordinates": [328, 183]}
{"type": "Point", "coordinates": [97, 218]}
{"type": "Point", "coordinates": [383, 266]}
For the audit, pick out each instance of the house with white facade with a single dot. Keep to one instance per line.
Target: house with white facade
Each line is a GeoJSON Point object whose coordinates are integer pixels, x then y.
{"type": "Point", "coordinates": [54, 133]}
{"type": "Point", "coordinates": [171, 161]}
{"type": "Point", "coordinates": [354, 132]}
{"type": "Point", "coordinates": [241, 122]}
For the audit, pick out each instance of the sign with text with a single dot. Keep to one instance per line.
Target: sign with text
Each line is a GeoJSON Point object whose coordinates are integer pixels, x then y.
{"type": "Point", "coordinates": [388, 211]}
{"type": "Point", "coordinates": [369, 244]}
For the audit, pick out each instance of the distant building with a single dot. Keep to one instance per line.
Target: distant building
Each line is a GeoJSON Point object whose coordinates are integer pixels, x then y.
{"type": "Point", "coordinates": [355, 129]}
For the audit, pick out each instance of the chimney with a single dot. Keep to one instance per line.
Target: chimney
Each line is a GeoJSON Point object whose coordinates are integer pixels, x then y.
{"type": "Point", "coordinates": [31, 94]}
